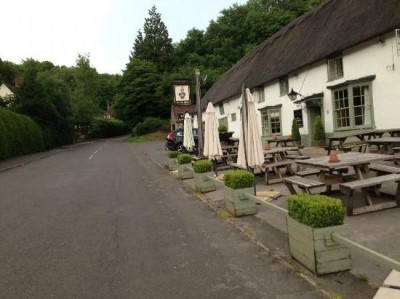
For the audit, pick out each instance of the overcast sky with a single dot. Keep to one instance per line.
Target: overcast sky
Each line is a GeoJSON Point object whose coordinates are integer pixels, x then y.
{"type": "Point", "coordinates": [57, 30]}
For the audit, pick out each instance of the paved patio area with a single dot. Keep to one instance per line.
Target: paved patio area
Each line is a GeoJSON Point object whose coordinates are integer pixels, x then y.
{"type": "Point", "coordinates": [378, 231]}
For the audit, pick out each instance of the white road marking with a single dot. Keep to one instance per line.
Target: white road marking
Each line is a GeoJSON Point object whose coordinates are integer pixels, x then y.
{"type": "Point", "coordinates": [96, 151]}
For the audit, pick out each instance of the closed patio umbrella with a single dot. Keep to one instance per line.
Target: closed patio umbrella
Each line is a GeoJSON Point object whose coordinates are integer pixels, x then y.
{"type": "Point", "coordinates": [250, 145]}
{"type": "Point", "coordinates": [212, 144]}
{"type": "Point", "coordinates": [255, 152]}
{"type": "Point", "coordinates": [188, 140]}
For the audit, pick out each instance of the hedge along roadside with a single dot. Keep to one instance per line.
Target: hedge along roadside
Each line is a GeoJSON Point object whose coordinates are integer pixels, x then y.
{"type": "Point", "coordinates": [19, 135]}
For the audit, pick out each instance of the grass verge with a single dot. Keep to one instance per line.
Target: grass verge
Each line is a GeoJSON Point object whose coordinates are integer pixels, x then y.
{"type": "Point", "coordinates": [155, 136]}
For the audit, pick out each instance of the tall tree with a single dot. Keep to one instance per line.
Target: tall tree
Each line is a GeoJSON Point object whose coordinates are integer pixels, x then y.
{"type": "Point", "coordinates": [138, 97]}
{"type": "Point", "coordinates": [44, 97]}
{"type": "Point", "coordinates": [155, 45]}
{"type": "Point", "coordinates": [84, 98]}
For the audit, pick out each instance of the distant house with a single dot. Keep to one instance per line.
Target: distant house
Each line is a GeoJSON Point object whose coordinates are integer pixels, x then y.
{"type": "Point", "coordinates": [109, 111]}
{"type": "Point", "coordinates": [6, 94]}
{"type": "Point", "coordinates": [178, 114]}
{"type": "Point", "coordinates": [343, 57]}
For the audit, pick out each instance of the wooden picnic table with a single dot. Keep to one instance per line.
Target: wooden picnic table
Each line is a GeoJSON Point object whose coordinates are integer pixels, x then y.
{"type": "Point", "coordinates": [358, 161]}
{"type": "Point", "coordinates": [384, 144]}
{"type": "Point", "coordinates": [275, 159]}
{"type": "Point", "coordinates": [281, 141]}
{"type": "Point", "coordinates": [338, 142]}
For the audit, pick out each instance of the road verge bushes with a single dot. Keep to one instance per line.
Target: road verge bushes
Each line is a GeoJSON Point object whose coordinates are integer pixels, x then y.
{"type": "Point", "coordinates": [19, 135]}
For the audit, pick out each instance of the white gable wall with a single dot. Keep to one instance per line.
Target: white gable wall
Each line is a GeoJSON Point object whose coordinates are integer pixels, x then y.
{"type": "Point", "coordinates": [5, 91]}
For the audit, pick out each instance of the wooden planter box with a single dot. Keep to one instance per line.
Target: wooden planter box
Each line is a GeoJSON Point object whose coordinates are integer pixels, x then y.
{"type": "Point", "coordinates": [184, 171]}
{"type": "Point", "coordinates": [315, 249]}
{"type": "Point", "coordinates": [237, 204]}
{"type": "Point", "coordinates": [203, 183]}
{"type": "Point", "coordinates": [172, 164]}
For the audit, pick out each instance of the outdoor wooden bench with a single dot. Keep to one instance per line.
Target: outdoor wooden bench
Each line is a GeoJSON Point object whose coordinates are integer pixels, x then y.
{"type": "Point", "coordinates": [396, 154]}
{"type": "Point", "coordinates": [303, 183]}
{"type": "Point", "coordinates": [384, 169]}
{"type": "Point", "coordinates": [225, 158]}
{"type": "Point", "coordinates": [349, 188]}
{"type": "Point", "coordinates": [297, 157]}
{"type": "Point", "coordinates": [308, 172]}
{"type": "Point", "coordinates": [275, 167]}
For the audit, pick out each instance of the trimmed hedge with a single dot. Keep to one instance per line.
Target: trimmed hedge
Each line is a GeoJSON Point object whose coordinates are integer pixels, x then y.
{"type": "Point", "coordinates": [149, 125]}
{"type": "Point", "coordinates": [184, 159]}
{"type": "Point", "coordinates": [222, 129]}
{"type": "Point", "coordinates": [295, 130]}
{"type": "Point", "coordinates": [319, 130]}
{"type": "Point", "coordinates": [316, 211]}
{"type": "Point", "coordinates": [19, 135]}
{"type": "Point", "coordinates": [173, 154]}
{"type": "Point", "coordinates": [202, 166]}
{"type": "Point", "coordinates": [105, 128]}
{"type": "Point", "coordinates": [238, 179]}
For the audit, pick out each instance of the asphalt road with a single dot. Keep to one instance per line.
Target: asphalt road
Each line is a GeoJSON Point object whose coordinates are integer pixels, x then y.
{"type": "Point", "coordinates": [105, 220]}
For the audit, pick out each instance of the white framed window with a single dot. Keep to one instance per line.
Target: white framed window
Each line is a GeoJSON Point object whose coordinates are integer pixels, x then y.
{"type": "Point", "coordinates": [223, 121]}
{"type": "Point", "coordinates": [259, 95]}
{"type": "Point", "coordinates": [233, 117]}
{"type": "Point", "coordinates": [221, 109]}
{"type": "Point", "coordinates": [284, 86]}
{"type": "Point", "coordinates": [271, 122]}
{"type": "Point", "coordinates": [335, 68]}
{"type": "Point", "coordinates": [352, 106]}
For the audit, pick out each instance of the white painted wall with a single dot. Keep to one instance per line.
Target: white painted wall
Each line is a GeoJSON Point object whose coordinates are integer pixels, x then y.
{"type": "Point", "coordinates": [5, 91]}
{"type": "Point", "coordinates": [369, 58]}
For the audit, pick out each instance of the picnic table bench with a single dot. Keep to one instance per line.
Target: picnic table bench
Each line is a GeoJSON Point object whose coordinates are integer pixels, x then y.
{"type": "Point", "coordinates": [305, 184]}
{"type": "Point", "coordinates": [384, 169]}
{"type": "Point", "coordinates": [276, 168]}
{"type": "Point", "coordinates": [349, 188]}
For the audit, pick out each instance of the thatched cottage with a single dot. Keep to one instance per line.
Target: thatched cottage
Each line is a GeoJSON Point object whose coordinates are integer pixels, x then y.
{"type": "Point", "coordinates": [343, 60]}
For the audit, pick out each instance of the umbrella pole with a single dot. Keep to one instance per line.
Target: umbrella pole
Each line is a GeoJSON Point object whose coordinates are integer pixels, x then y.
{"type": "Point", "coordinates": [244, 121]}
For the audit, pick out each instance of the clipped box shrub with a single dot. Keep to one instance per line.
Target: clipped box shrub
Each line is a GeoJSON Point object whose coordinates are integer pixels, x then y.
{"type": "Point", "coordinates": [173, 154]}
{"type": "Point", "coordinates": [316, 211]}
{"type": "Point", "coordinates": [222, 129]}
{"type": "Point", "coordinates": [238, 179]}
{"type": "Point", "coordinates": [105, 128]}
{"type": "Point", "coordinates": [184, 159]}
{"type": "Point", "coordinates": [202, 166]}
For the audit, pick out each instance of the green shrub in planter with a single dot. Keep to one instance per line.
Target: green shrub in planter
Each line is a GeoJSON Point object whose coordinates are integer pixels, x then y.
{"type": "Point", "coordinates": [238, 179]}
{"type": "Point", "coordinates": [238, 183]}
{"type": "Point", "coordinates": [184, 159]}
{"type": "Point", "coordinates": [184, 172]}
{"type": "Point", "coordinates": [316, 211]}
{"type": "Point", "coordinates": [319, 131]}
{"type": "Point", "coordinates": [222, 129]}
{"type": "Point", "coordinates": [172, 163]}
{"type": "Point", "coordinates": [173, 154]}
{"type": "Point", "coordinates": [311, 221]}
{"type": "Point", "coordinates": [295, 130]}
{"type": "Point", "coordinates": [202, 172]}
{"type": "Point", "coordinates": [202, 166]}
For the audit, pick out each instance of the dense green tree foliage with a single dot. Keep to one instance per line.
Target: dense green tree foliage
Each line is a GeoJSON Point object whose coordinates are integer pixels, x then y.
{"type": "Point", "coordinates": [137, 96]}
{"type": "Point", "coordinates": [155, 45]}
{"type": "Point", "coordinates": [60, 99]}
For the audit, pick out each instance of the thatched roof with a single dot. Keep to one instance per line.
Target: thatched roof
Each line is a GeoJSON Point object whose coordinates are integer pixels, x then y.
{"type": "Point", "coordinates": [330, 28]}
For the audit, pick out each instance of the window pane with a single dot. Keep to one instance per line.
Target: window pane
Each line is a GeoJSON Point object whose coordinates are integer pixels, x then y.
{"type": "Point", "coordinates": [342, 112]}
{"type": "Point", "coordinates": [362, 109]}
{"type": "Point", "coordinates": [284, 86]}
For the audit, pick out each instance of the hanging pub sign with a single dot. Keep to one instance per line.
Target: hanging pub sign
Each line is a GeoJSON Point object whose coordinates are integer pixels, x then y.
{"type": "Point", "coordinates": [298, 116]}
{"type": "Point", "coordinates": [182, 94]}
